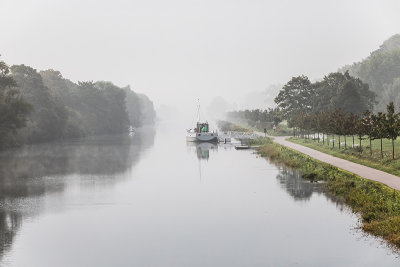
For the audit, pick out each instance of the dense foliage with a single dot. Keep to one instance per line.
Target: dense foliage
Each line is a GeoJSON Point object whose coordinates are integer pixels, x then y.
{"type": "Point", "coordinates": [336, 91]}
{"type": "Point", "coordinates": [381, 70]}
{"type": "Point", "coordinates": [13, 108]}
{"type": "Point", "coordinates": [52, 107]}
{"type": "Point", "coordinates": [299, 98]}
{"type": "Point", "coordinates": [48, 119]}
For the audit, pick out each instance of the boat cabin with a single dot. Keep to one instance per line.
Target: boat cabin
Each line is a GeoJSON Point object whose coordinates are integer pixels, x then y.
{"type": "Point", "coordinates": [202, 127]}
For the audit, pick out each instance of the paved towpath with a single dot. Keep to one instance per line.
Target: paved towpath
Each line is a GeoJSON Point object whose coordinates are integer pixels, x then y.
{"type": "Point", "coordinates": [388, 179]}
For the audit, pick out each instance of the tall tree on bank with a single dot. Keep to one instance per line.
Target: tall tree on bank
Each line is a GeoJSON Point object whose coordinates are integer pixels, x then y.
{"type": "Point", "coordinates": [326, 90]}
{"type": "Point", "coordinates": [296, 95]}
{"type": "Point", "coordinates": [13, 108]}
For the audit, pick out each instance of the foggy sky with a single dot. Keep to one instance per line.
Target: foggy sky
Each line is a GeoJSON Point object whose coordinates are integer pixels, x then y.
{"type": "Point", "coordinates": [178, 51]}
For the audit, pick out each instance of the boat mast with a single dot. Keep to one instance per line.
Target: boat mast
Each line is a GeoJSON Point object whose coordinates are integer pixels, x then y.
{"type": "Point", "coordinates": [198, 109]}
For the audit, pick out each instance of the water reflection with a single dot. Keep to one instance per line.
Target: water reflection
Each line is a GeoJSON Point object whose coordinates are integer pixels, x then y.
{"type": "Point", "coordinates": [202, 149]}
{"type": "Point", "coordinates": [301, 189]}
{"type": "Point", "coordinates": [28, 173]}
{"type": "Point", "coordinates": [295, 185]}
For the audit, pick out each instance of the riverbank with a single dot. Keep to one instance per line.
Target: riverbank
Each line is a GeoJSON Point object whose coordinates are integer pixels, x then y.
{"type": "Point", "coordinates": [377, 204]}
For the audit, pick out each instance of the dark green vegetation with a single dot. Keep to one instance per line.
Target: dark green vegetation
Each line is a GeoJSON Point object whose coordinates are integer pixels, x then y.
{"type": "Point", "coordinates": [381, 70]}
{"type": "Point", "coordinates": [377, 204]}
{"type": "Point", "coordinates": [44, 106]}
{"type": "Point", "coordinates": [13, 109]}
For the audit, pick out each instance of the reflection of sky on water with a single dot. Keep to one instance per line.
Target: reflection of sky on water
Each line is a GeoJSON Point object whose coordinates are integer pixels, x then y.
{"type": "Point", "coordinates": [29, 173]}
{"type": "Point", "coordinates": [134, 206]}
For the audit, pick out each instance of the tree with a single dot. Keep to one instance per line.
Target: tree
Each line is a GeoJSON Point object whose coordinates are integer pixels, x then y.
{"type": "Point", "coordinates": [276, 116]}
{"type": "Point", "coordinates": [351, 123]}
{"type": "Point", "coordinates": [368, 127]}
{"type": "Point", "coordinates": [13, 108]}
{"type": "Point", "coordinates": [359, 129]}
{"type": "Point", "coordinates": [341, 124]}
{"type": "Point", "coordinates": [353, 96]}
{"type": "Point", "coordinates": [323, 124]}
{"type": "Point", "coordinates": [326, 90]}
{"type": "Point", "coordinates": [392, 125]}
{"type": "Point", "coordinates": [48, 119]}
{"type": "Point", "coordinates": [295, 95]}
{"type": "Point", "coordinates": [378, 130]}
{"type": "Point", "coordinates": [337, 123]}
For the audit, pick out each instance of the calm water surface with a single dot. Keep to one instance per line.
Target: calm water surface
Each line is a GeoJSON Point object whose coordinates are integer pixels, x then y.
{"type": "Point", "coordinates": [152, 200]}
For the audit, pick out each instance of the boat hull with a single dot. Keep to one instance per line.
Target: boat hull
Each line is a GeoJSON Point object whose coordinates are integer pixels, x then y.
{"type": "Point", "coordinates": [202, 137]}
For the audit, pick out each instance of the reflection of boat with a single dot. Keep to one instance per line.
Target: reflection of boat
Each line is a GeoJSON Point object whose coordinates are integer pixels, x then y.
{"type": "Point", "coordinates": [203, 149]}
{"type": "Point", "coordinates": [201, 133]}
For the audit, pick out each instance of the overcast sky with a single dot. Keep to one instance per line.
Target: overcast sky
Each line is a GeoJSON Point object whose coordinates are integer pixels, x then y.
{"type": "Point", "coordinates": [178, 51]}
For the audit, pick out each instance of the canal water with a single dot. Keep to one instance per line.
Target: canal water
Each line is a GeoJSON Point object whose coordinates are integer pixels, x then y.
{"type": "Point", "coordinates": [152, 200]}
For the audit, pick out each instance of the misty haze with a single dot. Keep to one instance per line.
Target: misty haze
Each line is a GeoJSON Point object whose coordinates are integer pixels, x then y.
{"type": "Point", "coordinates": [199, 133]}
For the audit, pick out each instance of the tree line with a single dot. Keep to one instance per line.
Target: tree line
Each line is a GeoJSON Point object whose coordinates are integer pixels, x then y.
{"type": "Point", "coordinates": [338, 105]}
{"type": "Point", "coordinates": [44, 106]}
{"type": "Point", "coordinates": [258, 118]}
{"type": "Point", "coordinates": [383, 125]}
{"type": "Point", "coordinates": [335, 91]}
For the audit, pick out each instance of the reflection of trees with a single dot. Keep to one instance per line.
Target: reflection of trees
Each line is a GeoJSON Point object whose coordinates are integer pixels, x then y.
{"type": "Point", "coordinates": [9, 224]}
{"type": "Point", "coordinates": [297, 187]}
{"type": "Point", "coordinates": [33, 171]}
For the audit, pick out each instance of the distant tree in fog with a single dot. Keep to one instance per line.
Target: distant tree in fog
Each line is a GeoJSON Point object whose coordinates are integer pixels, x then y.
{"type": "Point", "coordinates": [380, 70]}
{"type": "Point", "coordinates": [13, 108]}
{"type": "Point", "coordinates": [59, 108]}
{"type": "Point", "coordinates": [49, 116]}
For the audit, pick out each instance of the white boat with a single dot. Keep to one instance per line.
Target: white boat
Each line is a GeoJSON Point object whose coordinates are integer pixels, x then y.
{"type": "Point", "coordinates": [201, 133]}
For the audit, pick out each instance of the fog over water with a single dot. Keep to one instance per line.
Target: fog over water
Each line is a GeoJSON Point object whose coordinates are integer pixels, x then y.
{"type": "Point", "coordinates": [178, 51]}
{"type": "Point", "coordinates": [151, 199]}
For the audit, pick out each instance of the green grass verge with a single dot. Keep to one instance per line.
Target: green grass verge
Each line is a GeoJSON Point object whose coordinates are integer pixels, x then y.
{"type": "Point", "coordinates": [377, 204]}
{"type": "Point", "coordinates": [363, 156]}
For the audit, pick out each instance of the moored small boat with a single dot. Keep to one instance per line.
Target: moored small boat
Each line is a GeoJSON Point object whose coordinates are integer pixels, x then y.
{"type": "Point", "coordinates": [201, 133]}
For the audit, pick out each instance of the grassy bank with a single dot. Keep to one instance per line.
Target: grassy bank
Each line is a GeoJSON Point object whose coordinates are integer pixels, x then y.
{"type": "Point", "coordinates": [357, 155]}
{"type": "Point", "coordinates": [377, 204]}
